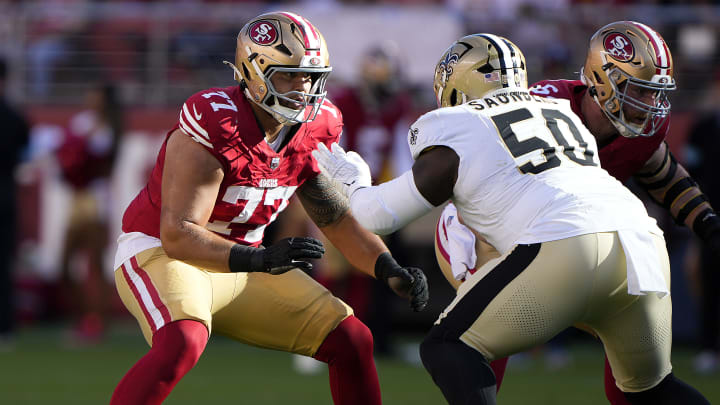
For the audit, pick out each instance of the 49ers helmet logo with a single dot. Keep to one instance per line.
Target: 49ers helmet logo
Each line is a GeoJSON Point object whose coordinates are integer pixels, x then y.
{"type": "Point", "coordinates": [619, 46]}
{"type": "Point", "coordinates": [263, 33]}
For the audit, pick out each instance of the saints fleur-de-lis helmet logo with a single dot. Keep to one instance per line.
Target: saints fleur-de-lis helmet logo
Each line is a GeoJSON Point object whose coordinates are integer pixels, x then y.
{"type": "Point", "coordinates": [475, 65]}
{"type": "Point", "coordinates": [445, 67]}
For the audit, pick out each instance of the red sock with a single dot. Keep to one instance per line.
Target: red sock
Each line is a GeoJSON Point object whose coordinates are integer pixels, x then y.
{"type": "Point", "coordinates": [176, 348]}
{"type": "Point", "coordinates": [348, 351]}
{"type": "Point", "coordinates": [498, 367]}
{"type": "Point", "coordinates": [612, 392]}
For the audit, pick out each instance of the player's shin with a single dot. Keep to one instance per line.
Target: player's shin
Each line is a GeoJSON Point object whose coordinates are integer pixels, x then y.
{"type": "Point", "coordinates": [462, 373]}
{"type": "Point", "coordinates": [348, 351]}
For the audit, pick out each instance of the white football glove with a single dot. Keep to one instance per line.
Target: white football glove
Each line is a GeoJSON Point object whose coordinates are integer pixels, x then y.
{"type": "Point", "coordinates": [348, 170]}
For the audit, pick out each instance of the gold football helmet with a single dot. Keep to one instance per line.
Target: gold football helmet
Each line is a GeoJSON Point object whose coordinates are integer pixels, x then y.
{"type": "Point", "coordinates": [476, 65]}
{"type": "Point", "coordinates": [628, 71]}
{"type": "Point", "coordinates": [282, 42]}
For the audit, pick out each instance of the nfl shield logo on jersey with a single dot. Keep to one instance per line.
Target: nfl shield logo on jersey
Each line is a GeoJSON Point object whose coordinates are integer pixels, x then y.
{"type": "Point", "coordinates": [274, 163]}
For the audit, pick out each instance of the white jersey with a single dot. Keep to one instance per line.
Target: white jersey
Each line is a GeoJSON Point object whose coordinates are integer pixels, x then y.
{"type": "Point", "coordinates": [529, 171]}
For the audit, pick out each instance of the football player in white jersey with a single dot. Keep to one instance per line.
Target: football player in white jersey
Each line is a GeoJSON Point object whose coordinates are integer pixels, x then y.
{"type": "Point", "coordinates": [576, 247]}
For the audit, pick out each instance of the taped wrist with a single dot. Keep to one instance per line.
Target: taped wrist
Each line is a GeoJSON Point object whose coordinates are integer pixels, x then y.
{"type": "Point", "coordinates": [246, 259]}
{"type": "Point", "coordinates": [672, 187]}
{"type": "Point", "coordinates": [384, 266]}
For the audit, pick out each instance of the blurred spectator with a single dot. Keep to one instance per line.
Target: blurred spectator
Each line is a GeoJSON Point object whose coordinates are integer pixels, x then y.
{"type": "Point", "coordinates": [375, 110]}
{"type": "Point", "coordinates": [375, 106]}
{"type": "Point", "coordinates": [86, 159]}
{"type": "Point", "coordinates": [700, 156]}
{"type": "Point", "coordinates": [13, 140]}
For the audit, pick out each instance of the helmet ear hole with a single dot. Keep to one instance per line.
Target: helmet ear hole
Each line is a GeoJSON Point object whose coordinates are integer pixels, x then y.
{"type": "Point", "coordinates": [246, 72]}
{"type": "Point", "coordinates": [453, 97]}
{"type": "Point", "coordinates": [597, 78]}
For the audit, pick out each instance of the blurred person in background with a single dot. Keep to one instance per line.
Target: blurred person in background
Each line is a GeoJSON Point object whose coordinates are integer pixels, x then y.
{"type": "Point", "coordinates": [622, 98]}
{"type": "Point", "coordinates": [190, 260]}
{"type": "Point", "coordinates": [15, 136]}
{"type": "Point", "coordinates": [703, 144]}
{"type": "Point", "coordinates": [87, 157]}
{"type": "Point", "coordinates": [576, 246]}
{"type": "Point", "coordinates": [376, 109]}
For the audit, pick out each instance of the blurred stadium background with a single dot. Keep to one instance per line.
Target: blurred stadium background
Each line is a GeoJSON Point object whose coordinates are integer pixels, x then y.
{"type": "Point", "coordinates": [156, 54]}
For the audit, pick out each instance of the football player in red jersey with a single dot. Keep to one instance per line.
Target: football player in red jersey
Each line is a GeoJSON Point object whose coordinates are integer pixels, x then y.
{"type": "Point", "coordinates": [622, 99]}
{"type": "Point", "coordinates": [190, 258]}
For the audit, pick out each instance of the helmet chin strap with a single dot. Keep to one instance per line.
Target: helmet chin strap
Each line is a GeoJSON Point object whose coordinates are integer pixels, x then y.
{"type": "Point", "coordinates": [620, 125]}
{"type": "Point", "coordinates": [282, 119]}
{"type": "Point", "coordinates": [276, 107]}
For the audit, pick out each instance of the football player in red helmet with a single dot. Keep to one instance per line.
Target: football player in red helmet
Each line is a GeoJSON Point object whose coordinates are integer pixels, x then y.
{"type": "Point", "coordinates": [190, 259]}
{"type": "Point", "coordinates": [622, 97]}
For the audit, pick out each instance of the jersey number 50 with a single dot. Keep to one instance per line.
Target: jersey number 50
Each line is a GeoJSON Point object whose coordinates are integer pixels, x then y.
{"type": "Point", "coordinates": [579, 154]}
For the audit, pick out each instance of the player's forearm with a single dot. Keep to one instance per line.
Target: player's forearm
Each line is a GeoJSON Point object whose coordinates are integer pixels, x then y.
{"type": "Point", "coordinates": [670, 185]}
{"type": "Point", "coordinates": [359, 246]}
{"type": "Point", "coordinates": [385, 208]}
{"type": "Point", "coordinates": [196, 245]}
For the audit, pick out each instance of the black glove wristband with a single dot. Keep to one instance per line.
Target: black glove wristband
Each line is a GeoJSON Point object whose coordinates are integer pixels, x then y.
{"type": "Point", "coordinates": [706, 224]}
{"type": "Point", "coordinates": [383, 265]}
{"type": "Point", "coordinates": [245, 259]}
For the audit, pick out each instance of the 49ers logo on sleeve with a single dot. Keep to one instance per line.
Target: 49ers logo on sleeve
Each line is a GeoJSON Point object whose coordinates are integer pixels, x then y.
{"type": "Point", "coordinates": [619, 46]}
{"type": "Point", "coordinates": [263, 33]}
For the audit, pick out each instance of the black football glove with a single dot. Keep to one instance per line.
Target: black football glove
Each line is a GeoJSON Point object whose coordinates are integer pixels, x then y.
{"type": "Point", "coordinates": [713, 243]}
{"type": "Point", "coordinates": [707, 227]}
{"type": "Point", "coordinates": [406, 282]}
{"type": "Point", "coordinates": [278, 258]}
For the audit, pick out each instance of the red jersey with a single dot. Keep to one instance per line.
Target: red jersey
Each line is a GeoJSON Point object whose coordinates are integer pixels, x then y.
{"type": "Point", "coordinates": [257, 182]}
{"type": "Point", "coordinates": [622, 157]}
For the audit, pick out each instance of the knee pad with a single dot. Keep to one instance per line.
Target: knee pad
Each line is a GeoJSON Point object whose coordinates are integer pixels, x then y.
{"type": "Point", "coordinates": [462, 373]}
{"type": "Point", "coordinates": [436, 352]}
{"type": "Point", "coordinates": [350, 338]}
{"type": "Point", "coordinates": [181, 342]}
{"type": "Point", "coordinates": [430, 352]}
{"type": "Point", "coordinates": [671, 390]}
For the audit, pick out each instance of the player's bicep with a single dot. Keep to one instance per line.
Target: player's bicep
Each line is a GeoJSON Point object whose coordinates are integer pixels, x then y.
{"type": "Point", "coordinates": [659, 158]}
{"type": "Point", "coordinates": [190, 183]}
{"type": "Point", "coordinates": [435, 173]}
{"type": "Point", "coordinates": [324, 204]}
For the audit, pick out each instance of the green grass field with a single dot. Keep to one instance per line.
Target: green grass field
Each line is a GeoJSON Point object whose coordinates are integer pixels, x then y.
{"type": "Point", "coordinates": [44, 369]}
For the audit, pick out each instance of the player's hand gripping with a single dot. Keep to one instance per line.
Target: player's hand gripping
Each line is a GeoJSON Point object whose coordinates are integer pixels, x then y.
{"type": "Point", "coordinates": [407, 282]}
{"type": "Point", "coordinates": [278, 258]}
{"type": "Point", "coordinates": [347, 170]}
{"type": "Point", "coordinates": [709, 232]}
